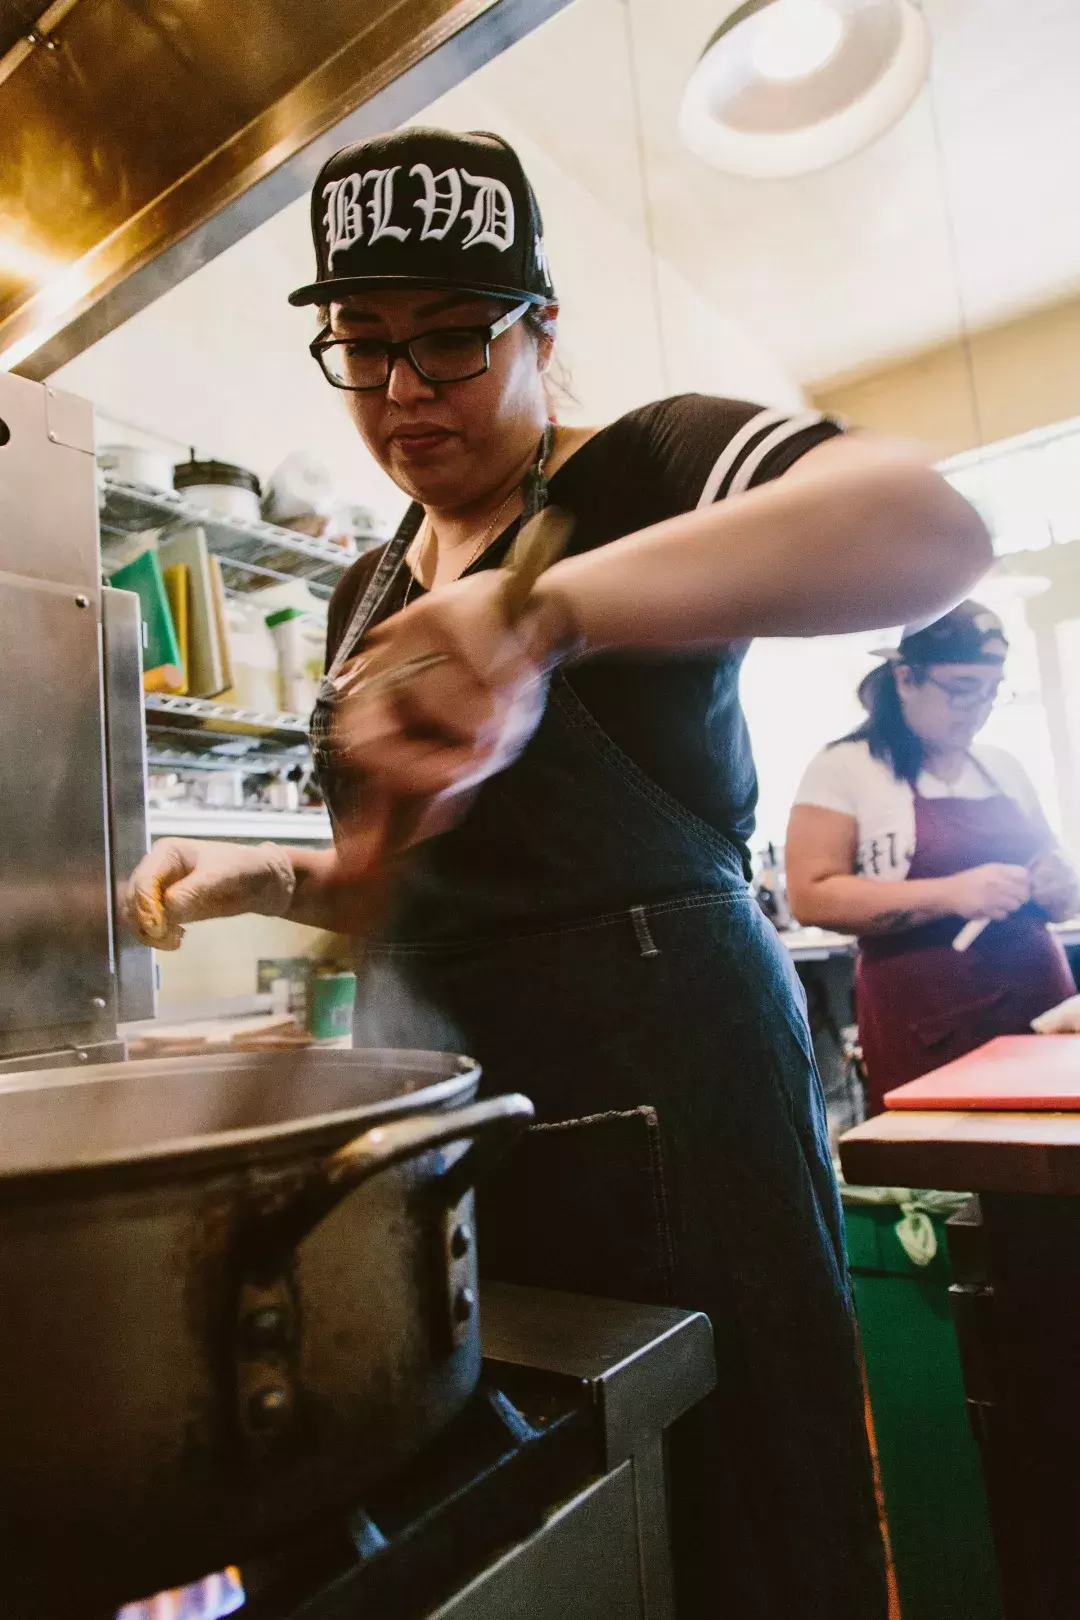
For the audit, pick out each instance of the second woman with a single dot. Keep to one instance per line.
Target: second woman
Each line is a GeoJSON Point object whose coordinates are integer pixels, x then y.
{"type": "Point", "coordinates": [905, 831]}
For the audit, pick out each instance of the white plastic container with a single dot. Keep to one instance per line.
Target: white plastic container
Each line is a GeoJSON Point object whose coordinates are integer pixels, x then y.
{"type": "Point", "coordinates": [219, 487]}
{"type": "Point", "coordinates": [300, 640]}
{"type": "Point", "coordinates": [295, 593]}
{"type": "Point", "coordinates": [254, 656]}
{"type": "Point", "coordinates": [300, 488]}
{"type": "Point", "coordinates": [223, 790]}
{"type": "Point", "coordinates": [283, 794]}
{"type": "Point", "coordinates": [225, 500]}
{"type": "Point", "coordinates": [133, 464]}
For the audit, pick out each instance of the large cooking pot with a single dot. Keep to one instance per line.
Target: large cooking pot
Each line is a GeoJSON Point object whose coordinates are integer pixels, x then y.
{"type": "Point", "coordinates": [233, 1291]}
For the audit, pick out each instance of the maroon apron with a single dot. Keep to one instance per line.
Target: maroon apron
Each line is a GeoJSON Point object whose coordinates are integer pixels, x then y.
{"type": "Point", "coordinates": [922, 1004]}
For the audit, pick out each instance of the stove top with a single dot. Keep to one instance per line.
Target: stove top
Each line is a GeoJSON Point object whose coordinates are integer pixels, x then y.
{"type": "Point", "coordinates": [484, 1483]}
{"type": "Point", "coordinates": [569, 1388]}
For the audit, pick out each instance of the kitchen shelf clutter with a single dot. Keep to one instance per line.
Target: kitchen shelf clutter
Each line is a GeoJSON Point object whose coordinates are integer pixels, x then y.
{"type": "Point", "coordinates": [223, 719]}
{"type": "Point", "coordinates": [293, 826]}
{"type": "Point", "coordinates": [206, 760]}
{"type": "Point", "coordinates": [231, 635]}
{"type": "Point", "coordinates": [252, 553]}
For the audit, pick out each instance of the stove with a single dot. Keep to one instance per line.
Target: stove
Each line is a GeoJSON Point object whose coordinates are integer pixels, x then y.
{"type": "Point", "coordinates": [545, 1498]}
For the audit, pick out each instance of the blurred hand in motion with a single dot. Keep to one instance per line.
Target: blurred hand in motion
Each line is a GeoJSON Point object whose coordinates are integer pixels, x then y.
{"type": "Point", "coordinates": [419, 741]}
{"type": "Point", "coordinates": [186, 880]}
{"type": "Point", "coordinates": [1054, 885]}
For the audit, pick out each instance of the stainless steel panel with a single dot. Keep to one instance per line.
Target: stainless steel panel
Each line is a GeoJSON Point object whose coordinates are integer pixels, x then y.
{"type": "Point", "coordinates": [405, 59]}
{"type": "Point", "coordinates": [55, 948]}
{"type": "Point", "coordinates": [70, 420]}
{"type": "Point", "coordinates": [654, 1537]}
{"type": "Point", "coordinates": [64, 1057]}
{"type": "Point", "coordinates": [650, 1363]}
{"type": "Point", "coordinates": [129, 833]}
{"type": "Point", "coordinates": [48, 491]}
{"type": "Point", "coordinates": [582, 1565]}
{"type": "Point", "coordinates": [139, 125]}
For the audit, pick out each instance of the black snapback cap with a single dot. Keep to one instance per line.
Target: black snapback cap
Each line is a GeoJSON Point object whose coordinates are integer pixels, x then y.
{"type": "Point", "coordinates": [427, 208]}
{"type": "Point", "coordinates": [969, 634]}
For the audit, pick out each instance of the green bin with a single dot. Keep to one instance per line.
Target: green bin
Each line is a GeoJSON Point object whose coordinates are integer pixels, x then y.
{"type": "Point", "coordinates": [931, 1476]}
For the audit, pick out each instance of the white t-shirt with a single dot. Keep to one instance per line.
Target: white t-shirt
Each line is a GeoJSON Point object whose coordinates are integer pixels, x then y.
{"type": "Point", "coordinates": [849, 779]}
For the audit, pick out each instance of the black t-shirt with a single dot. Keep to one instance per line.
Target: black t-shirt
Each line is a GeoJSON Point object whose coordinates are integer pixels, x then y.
{"type": "Point", "coordinates": [678, 718]}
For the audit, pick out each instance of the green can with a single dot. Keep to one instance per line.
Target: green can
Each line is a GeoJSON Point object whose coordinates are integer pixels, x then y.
{"type": "Point", "coordinates": [330, 1005]}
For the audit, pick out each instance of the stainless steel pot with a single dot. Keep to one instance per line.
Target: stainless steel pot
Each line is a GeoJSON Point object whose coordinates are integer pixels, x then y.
{"type": "Point", "coordinates": [234, 1291]}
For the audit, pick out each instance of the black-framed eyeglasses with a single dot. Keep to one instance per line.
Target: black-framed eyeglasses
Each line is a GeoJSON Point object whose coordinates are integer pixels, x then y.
{"type": "Point", "coordinates": [445, 354]}
{"type": "Point", "coordinates": [968, 694]}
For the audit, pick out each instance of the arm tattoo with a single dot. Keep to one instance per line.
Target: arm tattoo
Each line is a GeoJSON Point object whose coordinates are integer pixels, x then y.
{"type": "Point", "coordinates": [891, 922]}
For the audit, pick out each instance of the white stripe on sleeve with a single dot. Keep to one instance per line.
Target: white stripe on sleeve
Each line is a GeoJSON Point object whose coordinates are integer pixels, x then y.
{"type": "Point", "coordinates": [772, 441]}
{"type": "Point", "coordinates": [734, 448]}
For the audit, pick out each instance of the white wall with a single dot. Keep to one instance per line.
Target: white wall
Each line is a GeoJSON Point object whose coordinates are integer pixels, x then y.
{"type": "Point", "coordinates": [798, 696]}
{"type": "Point", "coordinates": [220, 363]}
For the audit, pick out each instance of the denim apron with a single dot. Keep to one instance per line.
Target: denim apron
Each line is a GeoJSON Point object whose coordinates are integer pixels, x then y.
{"type": "Point", "coordinates": [594, 944]}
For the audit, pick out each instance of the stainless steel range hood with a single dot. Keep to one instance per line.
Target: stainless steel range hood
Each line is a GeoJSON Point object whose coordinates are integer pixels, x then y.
{"type": "Point", "coordinates": [139, 138]}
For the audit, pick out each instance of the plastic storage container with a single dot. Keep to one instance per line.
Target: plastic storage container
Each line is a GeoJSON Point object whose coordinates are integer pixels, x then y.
{"type": "Point", "coordinates": [300, 641]}
{"type": "Point", "coordinates": [931, 1475]}
{"type": "Point", "coordinates": [220, 487]}
{"type": "Point", "coordinates": [254, 657]}
{"type": "Point", "coordinates": [134, 464]}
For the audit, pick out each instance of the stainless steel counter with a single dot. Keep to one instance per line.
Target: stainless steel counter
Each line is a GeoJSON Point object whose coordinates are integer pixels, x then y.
{"type": "Point", "coordinates": [817, 944]}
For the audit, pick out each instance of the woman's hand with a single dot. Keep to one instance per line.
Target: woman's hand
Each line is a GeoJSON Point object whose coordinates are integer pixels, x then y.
{"type": "Point", "coordinates": [185, 880]}
{"type": "Point", "coordinates": [1054, 885]}
{"type": "Point", "coordinates": [429, 737]}
{"type": "Point", "coordinates": [993, 891]}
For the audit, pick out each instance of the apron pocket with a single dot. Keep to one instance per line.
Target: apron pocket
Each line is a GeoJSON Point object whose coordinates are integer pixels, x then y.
{"type": "Point", "coordinates": [581, 1206]}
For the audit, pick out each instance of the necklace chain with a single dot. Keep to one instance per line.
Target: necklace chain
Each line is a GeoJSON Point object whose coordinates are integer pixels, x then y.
{"type": "Point", "coordinates": [487, 535]}
{"type": "Point", "coordinates": [489, 532]}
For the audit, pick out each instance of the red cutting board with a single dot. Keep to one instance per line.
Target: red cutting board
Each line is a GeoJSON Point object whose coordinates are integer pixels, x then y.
{"type": "Point", "coordinates": [1013, 1071]}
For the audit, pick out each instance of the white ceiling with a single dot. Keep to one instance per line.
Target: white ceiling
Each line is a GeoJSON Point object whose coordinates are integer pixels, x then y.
{"type": "Point", "coordinates": [672, 276]}
{"type": "Point", "coordinates": [839, 270]}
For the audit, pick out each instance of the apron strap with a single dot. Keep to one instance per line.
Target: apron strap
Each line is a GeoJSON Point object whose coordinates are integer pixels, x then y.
{"type": "Point", "coordinates": [377, 587]}
{"type": "Point", "coordinates": [535, 496]}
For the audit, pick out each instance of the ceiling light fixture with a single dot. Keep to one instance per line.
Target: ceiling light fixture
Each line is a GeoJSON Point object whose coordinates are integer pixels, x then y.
{"type": "Point", "coordinates": [796, 37]}
{"type": "Point", "coordinates": [784, 87]}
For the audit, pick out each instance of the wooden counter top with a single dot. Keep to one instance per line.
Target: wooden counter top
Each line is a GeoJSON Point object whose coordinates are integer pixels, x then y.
{"type": "Point", "coordinates": [969, 1151]}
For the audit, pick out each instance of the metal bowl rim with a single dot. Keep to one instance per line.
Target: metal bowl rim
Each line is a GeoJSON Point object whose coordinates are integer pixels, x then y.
{"type": "Point", "coordinates": [210, 1147]}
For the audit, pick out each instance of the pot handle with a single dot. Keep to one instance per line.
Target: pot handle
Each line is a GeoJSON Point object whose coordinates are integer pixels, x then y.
{"type": "Point", "coordinates": [492, 1125]}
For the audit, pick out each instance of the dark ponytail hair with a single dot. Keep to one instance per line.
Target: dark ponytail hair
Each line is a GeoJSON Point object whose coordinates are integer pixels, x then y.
{"type": "Point", "coordinates": [885, 730]}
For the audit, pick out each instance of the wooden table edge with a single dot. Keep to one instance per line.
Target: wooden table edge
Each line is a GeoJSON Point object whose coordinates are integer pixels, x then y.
{"type": "Point", "coordinates": [1007, 1151]}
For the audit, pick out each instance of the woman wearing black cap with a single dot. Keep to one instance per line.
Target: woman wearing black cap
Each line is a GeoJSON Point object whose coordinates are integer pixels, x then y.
{"type": "Point", "coordinates": [910, 836]}
{"type": "Point", "coordinates": [582, 923]}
